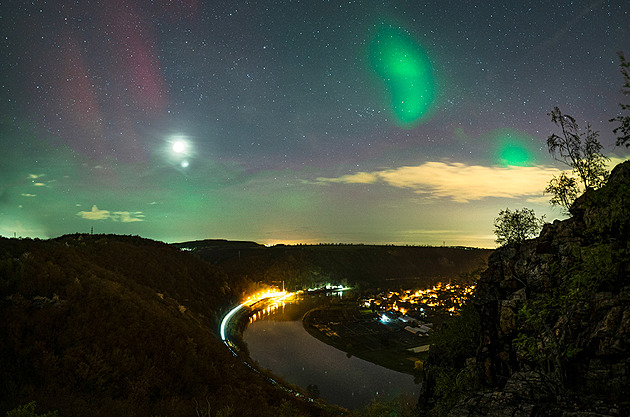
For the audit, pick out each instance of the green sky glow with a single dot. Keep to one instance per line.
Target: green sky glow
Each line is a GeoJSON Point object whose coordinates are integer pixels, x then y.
{"type": "Point", "coordinates": [514, 155]}
{"type": "Point", "coordinates": [347, 122]}
{"type": "Point", "coordinates": [512, 147]}
{"type": "Point", "coordinates": [406, 71]}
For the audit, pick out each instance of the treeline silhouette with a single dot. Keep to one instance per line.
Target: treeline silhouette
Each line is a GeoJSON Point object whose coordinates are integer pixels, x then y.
{"type": "Point", "coordinates": [365, 267]}
{"type": "Point", "coordinates": [118, 325]}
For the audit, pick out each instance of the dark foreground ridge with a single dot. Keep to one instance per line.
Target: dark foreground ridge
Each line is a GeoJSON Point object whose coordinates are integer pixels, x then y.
{"type": "Point", "coordinates": [122, 326]}
{"type": "Point", "coordinates": [554, 317]}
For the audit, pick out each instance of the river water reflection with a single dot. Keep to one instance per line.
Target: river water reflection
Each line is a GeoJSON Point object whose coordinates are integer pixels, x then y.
{"type": "Point", "coordinates": [279, 342]}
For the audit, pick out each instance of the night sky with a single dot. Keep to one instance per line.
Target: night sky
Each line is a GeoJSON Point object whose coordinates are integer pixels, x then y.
{"type": "Point", "coordinates": [403, 122]}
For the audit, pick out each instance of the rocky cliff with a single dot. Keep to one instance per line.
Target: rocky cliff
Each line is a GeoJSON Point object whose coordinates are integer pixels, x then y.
{"type": "Point", "coordinates": [555, 315]}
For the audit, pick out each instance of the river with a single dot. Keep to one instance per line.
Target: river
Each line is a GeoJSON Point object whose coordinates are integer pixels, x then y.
{"type": "Point", "coordinates": [279, 343]}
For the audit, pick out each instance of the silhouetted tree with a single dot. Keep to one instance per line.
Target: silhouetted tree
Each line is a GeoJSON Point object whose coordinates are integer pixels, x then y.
{"type": "Point", "coordinates": [564, 189]}
{"type": "Point", "coordinates": [579, 150]}
{"type": "Point", "coordinates": [516, 226]}
{"type": "Point", "coordinates": [623, 130]}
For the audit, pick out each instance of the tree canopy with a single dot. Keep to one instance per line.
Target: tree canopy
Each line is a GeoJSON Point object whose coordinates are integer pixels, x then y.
{"type": "Point", "coordinates": [516, 226]}
{"type": "Point", "coordinates": [623, 130]}
{"type": "Point", "coordinates": [105, 325]}
{"type": "Point", "coordinates": [579, 150]}
{"type": "Point", "coordinates": [565, 190]}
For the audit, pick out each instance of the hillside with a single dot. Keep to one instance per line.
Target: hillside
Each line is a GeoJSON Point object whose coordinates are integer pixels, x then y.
{"type": "Point", "coordinates": [124, 326]}
{"type": "Point", "coordinates": [553, 320]}
{"type": "Point", "coordinates": [365, 266]}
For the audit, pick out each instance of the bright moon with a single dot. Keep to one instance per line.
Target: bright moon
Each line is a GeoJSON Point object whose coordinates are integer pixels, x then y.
{"type": "Point", "coordinates": [179, 146]}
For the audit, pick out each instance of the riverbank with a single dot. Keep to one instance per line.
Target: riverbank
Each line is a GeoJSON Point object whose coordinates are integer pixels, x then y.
{"type": "Point", "coordinates": [359, 333]}
{"type": "Point", "coordinates": [277, 341]}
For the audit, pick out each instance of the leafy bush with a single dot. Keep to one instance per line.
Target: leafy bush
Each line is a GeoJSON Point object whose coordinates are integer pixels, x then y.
{"type": "Point", "coordinates": [28, 410]}
{"type": "Point", "coordinates": [516, 226]}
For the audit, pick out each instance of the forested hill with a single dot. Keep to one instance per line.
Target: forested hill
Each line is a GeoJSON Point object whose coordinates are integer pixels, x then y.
{"type": "Point", "coordinates": [368, 266]}
{"type": "Point", "coordinates": [115, 326]}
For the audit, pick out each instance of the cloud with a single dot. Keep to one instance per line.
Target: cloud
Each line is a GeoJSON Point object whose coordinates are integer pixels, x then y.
{"type": "Point", "coordinates": [94, 214]}
{"type": "Point", "coordinates": [542, 199]}
{"type": "Point", "coordinates": [457, 181]}
{"type": "Point", "coordinates": [117, 216]}
{"type": "Point", "coordinates": [358, 178]}
{"type": "Point", "coordinates": [127, 217]}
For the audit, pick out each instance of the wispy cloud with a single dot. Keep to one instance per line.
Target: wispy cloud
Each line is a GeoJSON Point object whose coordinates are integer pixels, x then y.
{"type": "Point", "coordinates": [541, 199]}
{"type": "Point", "coordinates": [457, 181]}
{"type": "Point", "coordinates": [117, 216]}
{"type": "Point", "coordinates": [127, 216]}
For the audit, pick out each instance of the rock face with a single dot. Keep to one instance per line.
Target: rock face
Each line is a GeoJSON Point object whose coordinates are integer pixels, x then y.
{"type": "Point", "coordinates": [555, 314]}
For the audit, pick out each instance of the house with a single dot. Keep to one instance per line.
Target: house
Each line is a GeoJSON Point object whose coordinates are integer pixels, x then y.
{"type": "Point", "coordinates": [419, 349]}
{"type": "Point", "coordinates": [424, 328]}
{"type": "Point", "coordinates": [416, 330]}
{"type": "Point", "coordinates": [407, 319]}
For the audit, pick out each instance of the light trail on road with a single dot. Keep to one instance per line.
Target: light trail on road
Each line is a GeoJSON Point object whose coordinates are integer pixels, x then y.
{"type": "Point", "coordinates": [227, 318]}
{"type": "Point", "coordinates": [280, 295]}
